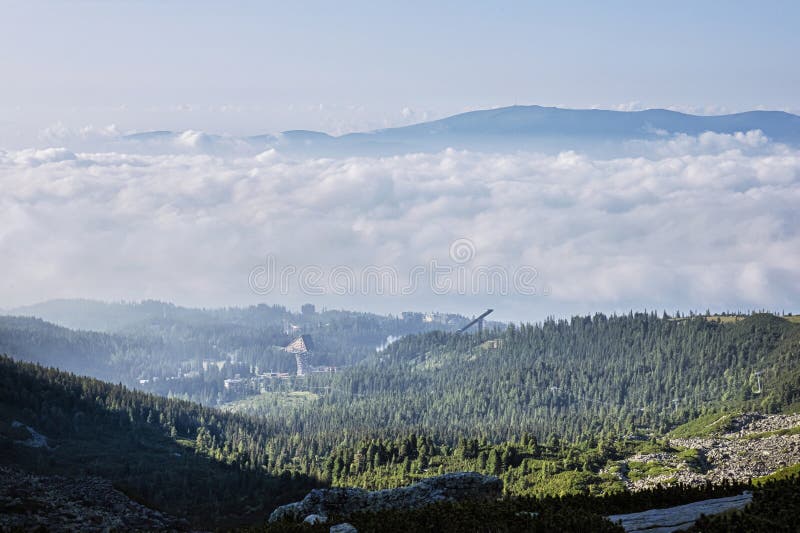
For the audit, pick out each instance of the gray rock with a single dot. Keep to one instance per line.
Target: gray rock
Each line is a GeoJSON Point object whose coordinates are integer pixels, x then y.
{"type": "Point", "coordinates": [750, 445]}
{"type": "Point", "coordinates": [31, 502]}
{"type": "Point", "coordinates": [680, 517]}
{"type": "Point", "coordinates": [36, 440]}
{"type": "Point", "coordinates": [315, 519]}
{"type": "Point", "coordinates": [343, 528]}
{"type": "Point", "coordinates": [345, 501]}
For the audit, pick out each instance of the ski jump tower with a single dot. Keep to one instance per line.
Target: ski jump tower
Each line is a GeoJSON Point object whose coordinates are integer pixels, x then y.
{"type": "Point", "coordinates": [301, 347]}
{"type": "Point", "coordinates": [478, 321]}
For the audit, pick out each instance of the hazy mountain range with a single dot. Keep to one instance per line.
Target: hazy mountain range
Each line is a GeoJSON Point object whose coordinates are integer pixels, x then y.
{"type": "Point", "coordinates": [503, 129]}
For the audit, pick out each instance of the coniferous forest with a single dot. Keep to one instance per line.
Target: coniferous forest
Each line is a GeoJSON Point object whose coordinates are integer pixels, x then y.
{"type": "Point", "coordinates": [545, 407]}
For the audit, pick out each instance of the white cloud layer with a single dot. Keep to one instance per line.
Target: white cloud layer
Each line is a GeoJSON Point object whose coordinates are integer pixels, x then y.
{"type": "Point", "coordinates": [684, 223]}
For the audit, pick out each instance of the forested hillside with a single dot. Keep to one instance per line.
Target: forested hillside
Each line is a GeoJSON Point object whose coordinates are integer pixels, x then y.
{"type": "Point", "coordinates": [223, 470]}
{"type": "Point", "coordinates": [347, 336]}
{"type": "Point", "coordinates": [568, 378]}
{"type": "Point", "coordinates": [161, 347]}
{"type": "Point", "coordinates": [176, 456]}
{"type": "Point", "coordinates": [549, 408]}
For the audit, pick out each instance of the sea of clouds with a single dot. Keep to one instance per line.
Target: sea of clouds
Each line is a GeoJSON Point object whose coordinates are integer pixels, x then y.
{"type": "Point", "coordinates": [679, 223]}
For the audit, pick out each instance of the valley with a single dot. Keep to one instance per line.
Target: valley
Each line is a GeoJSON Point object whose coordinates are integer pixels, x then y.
{"type": "Point", "coordinates": [583, 409]}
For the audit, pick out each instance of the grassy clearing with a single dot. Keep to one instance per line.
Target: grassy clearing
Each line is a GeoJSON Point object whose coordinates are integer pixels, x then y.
{"type": "Point", "coordinates": [726, 319]}
{"type": "Point", "coordinates": [692, 459]}
{"type": "Point", "coordinates": [783, 473]}
{"type": "Point", "coordinates": [638, 470]}
{"type": "Point", "coordinates": [703, 426]}
{"type": "Point", "coordinates": [732, 319]}
{"type": "Point", "coordinates": [271, 400]}
{"type": "Point", "coordinates": [786, 431]}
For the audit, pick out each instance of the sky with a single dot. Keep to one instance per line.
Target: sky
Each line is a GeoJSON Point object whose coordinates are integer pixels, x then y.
{"type": "Point", "coordinates": [256, 67]}
{"type": "Point", "coordinates": [676, 223]}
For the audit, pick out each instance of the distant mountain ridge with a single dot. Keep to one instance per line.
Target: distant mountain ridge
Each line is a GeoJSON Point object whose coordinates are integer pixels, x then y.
{"type": "Point", "coordinates": [538, 120]}
{"type": "Point", "coordinates": [502, 129]}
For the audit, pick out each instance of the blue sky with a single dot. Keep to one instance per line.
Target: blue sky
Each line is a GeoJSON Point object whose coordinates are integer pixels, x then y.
{"type": "Point", "coordinates": [250, 67]}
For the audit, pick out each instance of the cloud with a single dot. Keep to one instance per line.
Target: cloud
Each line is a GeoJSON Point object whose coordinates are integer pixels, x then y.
{"type": "Point", "coordinates": [34, 157]}
{"type": "Point", "coordinates": [60, 133]}
{"type": "Point", "coordinates": [751, 142]}
{"type": "Point", "coordinates": [684, 222]}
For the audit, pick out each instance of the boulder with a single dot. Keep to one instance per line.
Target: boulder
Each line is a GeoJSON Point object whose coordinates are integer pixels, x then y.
{"type": "Point", "coordinates": [315, 519]}
{"type": "Point", "coordinates": [345, 501]}
{"type": "Point", "coordinates": [343, 528]}
{"type": "Point", "coordinates": [679, 517]}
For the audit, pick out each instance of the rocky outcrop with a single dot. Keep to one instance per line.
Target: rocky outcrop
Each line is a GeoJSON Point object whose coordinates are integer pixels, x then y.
{"type": "Point", "coordinates": [680, 517]}
{"type": "Point", "coordinates": [752, 445]}
{"type": "Point", "coordinates": [313, 519]}
{"type": "Point", "coordinates": [33, 439]}
{"type": "Point", "coordinates": [754, 423]}
{"type": "Point", "coordinates": [346, 501]}
{"type": "Point", "coordinates": [343, 528]}
{"type": "Point", "coordinates": [31, 502]}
